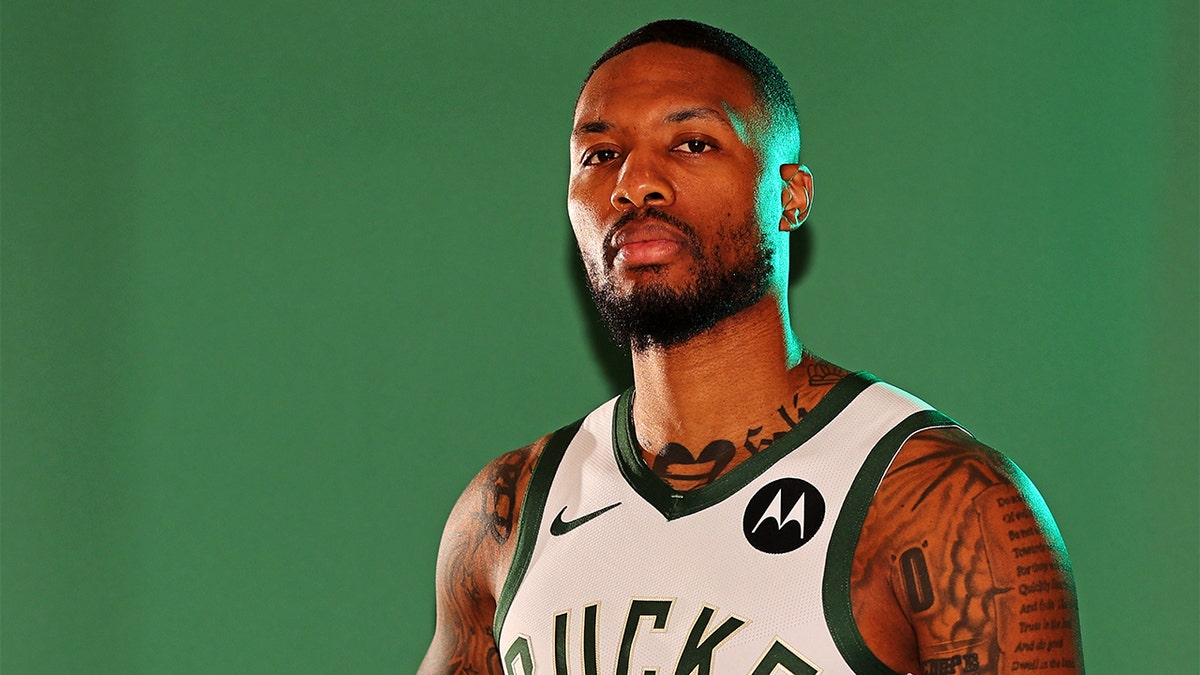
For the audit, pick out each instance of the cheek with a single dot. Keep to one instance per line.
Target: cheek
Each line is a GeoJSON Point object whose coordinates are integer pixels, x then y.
{"type": "Point", "coordinates": [767, 207]}
{"type": "Point", "coordinates": [738, 237]}
{"type": "Point", "coordinates": [589, 232]}
{"type": "Point", "coordinates": [587, 196]}
{"type": "Point", "coordinates": [736, 203]}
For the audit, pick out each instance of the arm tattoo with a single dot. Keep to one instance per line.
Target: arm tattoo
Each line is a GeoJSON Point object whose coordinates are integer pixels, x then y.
{"type": "Point", "coordinates": [465, 609]}
{"type": "Point", "coordinates": [944, 588]}
{"type": "Point", "coordinates": [956, 471]}
{"type": "Point", "coordinates": [973, 569]}
{"type": "Point", "coordinates": [1037, 621]}
{"type": "Point", "coordinates": [499, 508]}
{"type": "Point", "coordinates": [473, 549]}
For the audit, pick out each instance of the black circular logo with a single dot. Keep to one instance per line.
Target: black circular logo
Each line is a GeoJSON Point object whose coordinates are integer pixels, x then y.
{"type": "Point", "coordinates": [783, 515]}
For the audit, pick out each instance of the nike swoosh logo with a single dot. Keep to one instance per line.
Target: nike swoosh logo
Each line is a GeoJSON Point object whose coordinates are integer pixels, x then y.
{"type": "Point", "coordinates": [560, 526]}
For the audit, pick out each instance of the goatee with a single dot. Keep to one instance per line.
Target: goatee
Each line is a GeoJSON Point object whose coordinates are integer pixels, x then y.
{"type": "Point", "coordinates": [658, 316]}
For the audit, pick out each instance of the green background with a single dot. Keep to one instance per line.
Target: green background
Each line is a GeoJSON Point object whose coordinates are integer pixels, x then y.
{"type": "Point", "coordinates": [279, 278]}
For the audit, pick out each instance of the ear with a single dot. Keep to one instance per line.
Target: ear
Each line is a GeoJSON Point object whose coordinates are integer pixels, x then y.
{"type": "Point", "coordinates": [796, 195]}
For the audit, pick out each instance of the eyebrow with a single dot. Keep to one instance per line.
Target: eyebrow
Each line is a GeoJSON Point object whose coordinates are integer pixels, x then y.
{"type": "Point", "coordinates": [676, 117]}
{"type": "Point", "coordinates": [597, 127]}
{"type": "Point", "coordinates": [696, 113]}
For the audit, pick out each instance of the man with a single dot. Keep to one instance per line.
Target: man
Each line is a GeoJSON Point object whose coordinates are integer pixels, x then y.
{"type": "Point", "coordinates": [746, 507]}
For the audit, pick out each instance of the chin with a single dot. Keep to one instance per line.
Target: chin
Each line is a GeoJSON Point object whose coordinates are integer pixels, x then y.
{"type": "Point", "coordinates": [665, 276]}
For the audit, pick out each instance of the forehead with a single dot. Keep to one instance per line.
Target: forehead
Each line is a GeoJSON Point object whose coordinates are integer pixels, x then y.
{"type": "Point", "coordinates": [657, 76]}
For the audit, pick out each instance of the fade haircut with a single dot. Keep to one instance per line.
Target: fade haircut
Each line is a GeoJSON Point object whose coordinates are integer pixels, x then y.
{"type": "Point", "coordinates": [770, 86]}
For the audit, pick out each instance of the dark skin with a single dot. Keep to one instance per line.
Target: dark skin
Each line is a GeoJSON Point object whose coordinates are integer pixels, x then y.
{"type": "Point", "coordinates": [962, 608]}
{"type": "Point", "coordinates": [473, 559]}
{"type": "Point", "coordinates": [946, 496]}
{"type": "Point", "coordinates": [684, 469]}
{"type": "Point", "coordinates": [955, 571]}
{"type": "Point", "coordinates": [952, 550]}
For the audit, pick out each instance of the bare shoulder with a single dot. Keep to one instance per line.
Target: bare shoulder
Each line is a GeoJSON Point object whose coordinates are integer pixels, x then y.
{"type": "Point", "coordinates": [490, 505]}
{"type": "Point", "coordinates": [942, 474]}
{"type": "Point", "coordinates": [948, 460]}
{"type": "Point", "coordinates": [959, 545]}
{"type": "Point", "coordinates": [473, 559]}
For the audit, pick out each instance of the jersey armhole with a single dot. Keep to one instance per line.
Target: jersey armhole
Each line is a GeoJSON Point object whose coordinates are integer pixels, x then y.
{"type": "Point", "coordinates": [839, 614]}
{"type": "Point", "coordinates": [530, 519]}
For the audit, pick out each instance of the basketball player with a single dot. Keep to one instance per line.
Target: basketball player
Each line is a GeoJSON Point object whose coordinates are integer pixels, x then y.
{"type": "Point", "coordinates": [746, 508]}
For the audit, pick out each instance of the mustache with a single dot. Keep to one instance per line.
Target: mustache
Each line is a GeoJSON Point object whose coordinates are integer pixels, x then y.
{"type": "Point", "coordinates": [652, 213]}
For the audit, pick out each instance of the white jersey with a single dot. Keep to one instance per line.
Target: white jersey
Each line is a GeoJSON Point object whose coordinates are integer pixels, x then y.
{"type": "Point", "coordinates": [617, 573]}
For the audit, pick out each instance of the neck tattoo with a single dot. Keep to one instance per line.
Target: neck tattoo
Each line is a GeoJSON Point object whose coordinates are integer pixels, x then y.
{"type": "Point", "coordinates": [683, 469]}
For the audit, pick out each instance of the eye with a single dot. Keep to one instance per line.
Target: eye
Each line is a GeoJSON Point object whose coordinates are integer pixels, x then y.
{"type": "Point", "coordinates": [695, 146]}
{"type": "Point", "coordinates": [599, 157]}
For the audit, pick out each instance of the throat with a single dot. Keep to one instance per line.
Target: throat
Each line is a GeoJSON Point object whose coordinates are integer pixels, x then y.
{"type": "Point", "coordinates": [687, 467]}
{"type": "Point", "coordinates": [690, 456]}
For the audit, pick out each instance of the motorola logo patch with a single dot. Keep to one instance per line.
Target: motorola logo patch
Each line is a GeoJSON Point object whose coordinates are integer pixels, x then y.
{"type": "Point", "coordinates": [783, 515]}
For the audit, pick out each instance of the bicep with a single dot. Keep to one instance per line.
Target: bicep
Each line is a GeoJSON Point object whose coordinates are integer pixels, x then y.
{"type": "Point", "coordinates": [995, 593]}
{"type": "Point", "coordinates": [472, 559]}
{"type": "Point", "coordinates": [462, 639]}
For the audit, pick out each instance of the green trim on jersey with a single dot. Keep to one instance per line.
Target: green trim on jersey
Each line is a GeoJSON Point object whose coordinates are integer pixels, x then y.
{"type": "Point", "coordinates": [531, 517]}
{"type": "Point", "coordinates": [843, 541]}
{"type": "Point", "coordinates": [677, 504]}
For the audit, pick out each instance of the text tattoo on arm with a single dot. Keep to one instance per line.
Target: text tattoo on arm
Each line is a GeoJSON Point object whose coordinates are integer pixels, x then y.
{"type": "Point", "coordinates": [978, 572]}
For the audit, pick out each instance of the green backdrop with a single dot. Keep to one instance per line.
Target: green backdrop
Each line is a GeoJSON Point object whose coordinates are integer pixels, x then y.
{"type": "Point", "coordinates": [278, 278]}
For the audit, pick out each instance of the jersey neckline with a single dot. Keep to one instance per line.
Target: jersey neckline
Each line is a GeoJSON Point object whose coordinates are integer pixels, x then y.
{"type": "Point", "coordinates": [672, 503]}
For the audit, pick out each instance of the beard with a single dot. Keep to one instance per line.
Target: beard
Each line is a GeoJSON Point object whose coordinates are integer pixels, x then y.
{"type": "Point", "coordinates": [654, 315]}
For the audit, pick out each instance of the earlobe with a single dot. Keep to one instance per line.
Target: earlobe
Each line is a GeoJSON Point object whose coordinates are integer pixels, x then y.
{"type": "Point", "coordinates": [796, 196]}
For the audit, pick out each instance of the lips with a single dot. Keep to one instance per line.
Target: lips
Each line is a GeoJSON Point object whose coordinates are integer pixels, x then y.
{"type": "Point", "coordinates": [648, 242]}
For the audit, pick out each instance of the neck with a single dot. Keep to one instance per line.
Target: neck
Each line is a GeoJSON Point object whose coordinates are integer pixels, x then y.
{"type": "Point", "coordinates": [719, 382]}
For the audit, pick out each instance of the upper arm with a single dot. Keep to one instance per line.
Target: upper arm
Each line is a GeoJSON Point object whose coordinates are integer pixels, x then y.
{"type": "Point", "coordinates": [473, 559]}
{"type": "Point", "coordinates": [973, 560]}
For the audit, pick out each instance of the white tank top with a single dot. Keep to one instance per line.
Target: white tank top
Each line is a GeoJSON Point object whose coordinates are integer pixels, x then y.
{"type": "Point", "coordinates": [617, 573]}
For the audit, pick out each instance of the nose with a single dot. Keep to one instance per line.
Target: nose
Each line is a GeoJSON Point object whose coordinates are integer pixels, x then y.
{"type": "Point", "coordinates": [641, 183]}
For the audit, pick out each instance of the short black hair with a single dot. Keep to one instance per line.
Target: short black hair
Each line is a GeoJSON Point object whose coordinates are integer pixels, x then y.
{"type": "Point", "coordinates": [769, 83]}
